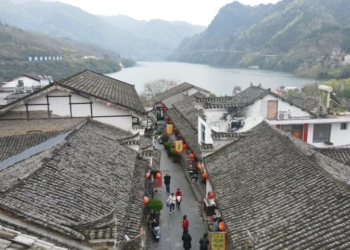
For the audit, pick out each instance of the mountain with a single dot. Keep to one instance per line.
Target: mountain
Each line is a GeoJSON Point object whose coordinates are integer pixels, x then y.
{"type": "Point", "coordinates": [293, 32]}
{"type": "Point", "coordinates": [170, 33]}
{"type": "Point", "coordinates": [63, 20]}
{"type": "Point", "coordinates": [16, 46]}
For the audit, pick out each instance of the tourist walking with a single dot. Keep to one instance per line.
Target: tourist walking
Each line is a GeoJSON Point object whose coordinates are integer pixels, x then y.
{"type": "Point", "coordinates": [167, 182]}
{"type": "Point", "coordinates": [178, 195]}
{"type": "Point", "coordinates": [186, 238]}
{"type": "Point", "coordinates": [184, 223]}
{"type": "Point", "coordinates": [204, 242]}
{"type": "Point", "coordinates": [171, 201]}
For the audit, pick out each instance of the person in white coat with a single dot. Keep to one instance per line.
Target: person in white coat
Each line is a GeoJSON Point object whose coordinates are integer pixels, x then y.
{"type": "Point", "coordinates": [171, 201]}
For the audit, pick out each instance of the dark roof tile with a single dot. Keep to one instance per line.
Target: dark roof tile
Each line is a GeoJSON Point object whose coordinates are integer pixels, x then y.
{"type": "Point", "coordinates": [105, 88]}
{"type": "Point", "coordinates": [85, 179]}
{"type": "Point", "coordinates": [265, 184]}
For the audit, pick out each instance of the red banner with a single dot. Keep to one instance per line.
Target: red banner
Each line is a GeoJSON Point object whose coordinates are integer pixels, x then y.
{"type": "Point", "coordinates": [169, 129]}
{"type": "Point", "coordinates": [157, 183]}
{"type": "Point", "coordinates": [178, 147]}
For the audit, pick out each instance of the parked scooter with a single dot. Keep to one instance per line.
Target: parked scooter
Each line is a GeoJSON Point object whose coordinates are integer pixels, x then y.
{"type": "Point", "coordinates": [155, 230]}
{"type": "Point", "coordinates": [193, 172]}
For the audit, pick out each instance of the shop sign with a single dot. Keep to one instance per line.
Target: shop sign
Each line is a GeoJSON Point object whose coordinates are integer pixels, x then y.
{"type": "Point", "coordinates": [178, 147]}
{"type": "Point", "coordinates": [217, 241]}
{"type": "Point", "coordinates": [169, 129]}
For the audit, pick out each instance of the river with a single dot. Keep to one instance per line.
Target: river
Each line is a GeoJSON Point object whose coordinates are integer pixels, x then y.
{"type": "Point", "coordinates": [219, 81]}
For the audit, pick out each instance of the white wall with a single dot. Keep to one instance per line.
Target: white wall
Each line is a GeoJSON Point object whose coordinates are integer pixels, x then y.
{"type": "Point", "coordinates": [213, 119]}
{"type": "Point", "coordinates": [60, 106]}
{"type": "Point", "coordinates": [191, 91]}
{"type": "Point", "coordinates": [338, 137]}
{"type": "Point", "coordinates": [208, 139]}
{"type": "Point", "coordinates": [27, 82]}
{"type": "Point", "coordinates": [294, 112]}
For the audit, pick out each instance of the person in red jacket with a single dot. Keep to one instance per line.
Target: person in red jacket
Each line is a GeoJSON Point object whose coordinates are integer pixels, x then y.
{"type": "Point", "coordinates": [178, 196]}
{"type": "Point", "coordinates": [185, 223]}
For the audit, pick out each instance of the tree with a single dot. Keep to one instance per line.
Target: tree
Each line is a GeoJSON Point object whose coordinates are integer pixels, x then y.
{"type": "Point", "coordinates": [153, 88]}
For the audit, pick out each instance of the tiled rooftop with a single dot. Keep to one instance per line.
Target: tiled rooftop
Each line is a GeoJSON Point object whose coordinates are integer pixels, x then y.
{"type": "Point", "coordinates": [339, 154]}
{"type": "Point", "coordinates": [14, 240]}
{"type": "Point", "coordinates": [266, 184]}
{"type": "Point", "coordinates": [78, 184]}
{"type": "Point", "coordinates": [183, 87]}
{"type": "Point", "coordinates": [12, 145]}
{"type": "Point", "coordinates": [105, 88]}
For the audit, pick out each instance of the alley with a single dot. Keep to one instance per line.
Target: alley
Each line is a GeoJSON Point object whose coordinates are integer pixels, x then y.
{"type": "Point", "coordinates": [171, 231]}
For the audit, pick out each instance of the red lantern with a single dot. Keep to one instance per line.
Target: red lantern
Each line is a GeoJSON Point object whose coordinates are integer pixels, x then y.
{"type": "Point", "coordinates": [222, 226]}
{"type": "Point", "coordinates": [165, 109]}
{"type": "Point", "coordinates": [157, 176]}
{"type": "Point", "coordinates": [192, 156]}
{"type": "Point", "coordinates": [179, 135]}
{"type": "Point", "coordinates": [175, 129]}
{"type": "Point", "coordinates": [167, 118]}
{"type": "Point", "coordinates": [170, 122]}
{"type": "Point", "coordinates": [163, 106]}
{"type": "Point", "coordinates": [211, 195]}
{"type": "Point", "coordinates": [147, 175]}
{"type": "Point", "coordinates": [185, 146]}
{"type": "Point", "coordinates": [205, 175]}
{"type": "Point", "coordinates": [145, 200]}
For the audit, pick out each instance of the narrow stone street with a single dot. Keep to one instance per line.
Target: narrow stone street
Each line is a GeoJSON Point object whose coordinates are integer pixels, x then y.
{"type": "Point", "coordinates": [171, 230]}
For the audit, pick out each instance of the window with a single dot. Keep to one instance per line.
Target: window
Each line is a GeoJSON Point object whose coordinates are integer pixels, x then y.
{"type": "Point", "coordinates": [322, 133]}
{"type": "Point", "coordinates": [343, 126]}
{"type": "Point", "coordinates": [202, 133]}
{"type": "Point", "coordinates": [295, 130]}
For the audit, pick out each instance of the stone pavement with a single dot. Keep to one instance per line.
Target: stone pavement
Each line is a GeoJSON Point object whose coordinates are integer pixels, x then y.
{"type": "Point", "coordinates": [171, 231]}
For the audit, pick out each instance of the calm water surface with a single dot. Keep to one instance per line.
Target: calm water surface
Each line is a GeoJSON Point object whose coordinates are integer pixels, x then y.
{"type": "Point", "coordinates": [219, 81]}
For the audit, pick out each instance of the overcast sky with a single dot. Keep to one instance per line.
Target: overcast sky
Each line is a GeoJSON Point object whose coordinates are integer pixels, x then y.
{"type": "Point", "coordinates": [200, 12]}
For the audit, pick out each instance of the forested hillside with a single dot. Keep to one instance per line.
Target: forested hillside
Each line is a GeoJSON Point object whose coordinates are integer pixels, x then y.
{"type": "Point", "coordinates": [17, 45]}
{"type": "Point", "coordinates": [64, 20]}
{"type": "Point", "coordinates": [291, 32]}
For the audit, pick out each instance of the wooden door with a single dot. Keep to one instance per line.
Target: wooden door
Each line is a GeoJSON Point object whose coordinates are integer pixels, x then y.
{"type": "Point", "coordinates": [272, 110]}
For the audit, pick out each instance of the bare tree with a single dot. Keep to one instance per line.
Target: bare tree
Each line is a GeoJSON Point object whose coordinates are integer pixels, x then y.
{"type": "Point", "coordinates": [153, 88]}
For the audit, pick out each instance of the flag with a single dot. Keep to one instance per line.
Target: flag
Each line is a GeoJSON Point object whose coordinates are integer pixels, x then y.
{"type": "Point", "coordinates": [178, 147]}
{"type": "Point", "coordinates": [278, 90]}
{"type": "Point", "coordinates": [169, 129]}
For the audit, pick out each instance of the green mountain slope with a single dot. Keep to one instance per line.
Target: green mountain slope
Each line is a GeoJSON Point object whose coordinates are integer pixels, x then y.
{"type": "Point", "coordinates": [17, 45]}
{"type": "Point", "coordinates": [63, 20]}
{"type": "Point", "coordinates": [170, 33]}
{"type": "Point", "coordinates": [294, 31]}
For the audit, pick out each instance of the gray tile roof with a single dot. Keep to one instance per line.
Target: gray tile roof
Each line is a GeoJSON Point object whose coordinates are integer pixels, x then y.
{"type": "Point", "coordinates": [245, 98]}
{"type": "Point", "coordinates": [176, 90]}
{"type": "Point", "coordinates": [85, 180]}
{"type": "Point", "coordinates": [187, 109]}
{"type": "Point", "coordinates": [91, 84]}
{"type": "Point", "coordinates": [38, 123]}
{"type": "Point", "coordinates": [173, 99]}
{"type": "Point", "coordinates": [105, 88]}
{"type": "Point", "coordinates": [13, 145]}
{"type": "Point", "coordinates": [14, 240]}
{"type": "Point", "coordinates": [266, 184]}
{"type": "Point", "coordinates": [189, 134]}
{"type": "Point", "coordinates": [339, 154]}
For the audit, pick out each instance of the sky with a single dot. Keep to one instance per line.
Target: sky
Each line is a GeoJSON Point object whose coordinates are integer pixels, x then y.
{"type": "Point", "coordinates": [197, 12]}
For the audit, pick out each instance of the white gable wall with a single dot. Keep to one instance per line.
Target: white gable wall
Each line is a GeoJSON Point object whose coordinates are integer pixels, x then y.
{"type": "Point", "coordinates": [60, 106]}
{"type": "Point", "coordinates": [27, 82]}
{"type": "Point", "coordinates": [338, 137]}
{"type": "Point", "coordinates": [208, 139]}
